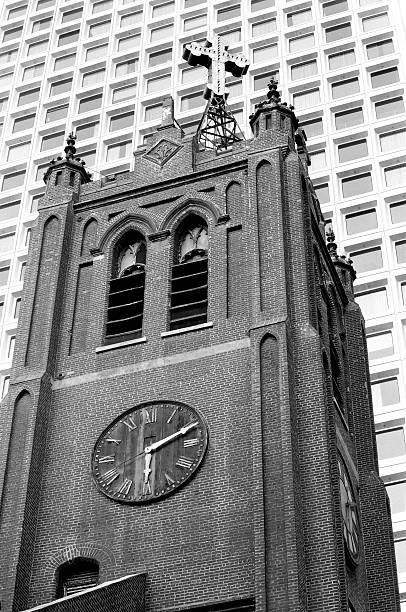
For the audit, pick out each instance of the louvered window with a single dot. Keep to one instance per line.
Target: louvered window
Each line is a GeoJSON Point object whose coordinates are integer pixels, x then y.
{"type": "Point", "coordinates": [126, 291]}
{"type": "Point", "coordinates": [76, 576]}
{"type": "Point", "coordinates": [75, 584]}
{"type": "Point", "coordinates": [190, 275]}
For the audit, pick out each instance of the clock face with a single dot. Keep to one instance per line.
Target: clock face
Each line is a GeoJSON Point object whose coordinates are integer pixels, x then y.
{"type": "Point", "coordinates": [149, 452]}
{"type": "Point", "coordinates": [349, 513]}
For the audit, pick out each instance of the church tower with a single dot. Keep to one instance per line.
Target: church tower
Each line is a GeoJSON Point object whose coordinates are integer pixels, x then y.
{"type": "Point", "coordinates": [189, 421]}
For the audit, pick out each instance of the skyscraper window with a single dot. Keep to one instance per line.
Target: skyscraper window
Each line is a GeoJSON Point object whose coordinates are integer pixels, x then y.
{"type": "Point", "coordinates": [387, 108]}
{"type": "Point", "coordinates": [352, 150]}
{"type": "Point", "coordinates": [301, 43]}
{"type": "Point", "coordinates": [374, 22]}
{"type": "Point", "coordinates": [380, 48]}
{"type": "Point", "coordinates": [362, 221]}
{"type": "Point", "coordinates": [367, 259]}
{"type": "Point", "coordinates": [337, 6]}
{"type": "Point", "coordinates": [356, 185]}
{"type": "Point", "coordinates": [299, 17]}
{"type": "Point", "coordinates": [345, 88]}
{"type": "Point", "coordinates": [338, 32]}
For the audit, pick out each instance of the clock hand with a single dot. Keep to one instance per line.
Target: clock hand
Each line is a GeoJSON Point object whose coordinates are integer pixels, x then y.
{"type": "Point", "coordinates": [147, 470]}
{"type": "Point", "coordinates": [148, 449]}
{"type": "Point", "coordinates": [182, 431]}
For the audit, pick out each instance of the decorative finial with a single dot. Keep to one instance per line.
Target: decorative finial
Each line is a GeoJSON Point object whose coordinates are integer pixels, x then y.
{"type": "Point", "coordinates": [273, 94]}
{"type": "Point", "coordinates": [70, 148]}
{"type": "Point", "coordinates": [331, 245]}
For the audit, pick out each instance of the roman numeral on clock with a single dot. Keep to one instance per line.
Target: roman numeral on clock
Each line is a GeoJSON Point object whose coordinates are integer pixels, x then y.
{"type": "Point", "coordinates": [113, 441]}
{"type": "Point", "coordinates": [192, 442]}
{"type": "Point", "coordinates": [106, 459]}
{"type": "Point", "coordinates": [149, 415]}
{"type": "Point", "coordinates": [184, 462]}
{"type": "Point", "coordinates": [146, 489]}
{"type": "Point", "coordinates": [125, 487]}
{"type": "Point", "coordinates": [110, 476]}
{"type": "Point", "coordinates": [172, 415]}
{"type": "Point", "coordinates": [168, 479]}
{"type": "Point", "coordinates": [129, 423]}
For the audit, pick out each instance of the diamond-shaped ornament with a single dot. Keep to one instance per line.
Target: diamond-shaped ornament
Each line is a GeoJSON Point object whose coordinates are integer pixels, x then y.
{"type": "Point", "coordinates": [162, 151]}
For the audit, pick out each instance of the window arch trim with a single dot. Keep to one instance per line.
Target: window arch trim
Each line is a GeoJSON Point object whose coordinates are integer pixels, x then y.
{"type": "Point", "coordinates": [190, 205]}
{"type": "Point", "coordinates": [123, 223]}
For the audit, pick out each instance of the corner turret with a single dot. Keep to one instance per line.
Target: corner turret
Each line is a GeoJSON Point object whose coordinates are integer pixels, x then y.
{"type": "Point", "coordinates": [67, 172]}
{"type": "Point", "coordinates": [272, 114]}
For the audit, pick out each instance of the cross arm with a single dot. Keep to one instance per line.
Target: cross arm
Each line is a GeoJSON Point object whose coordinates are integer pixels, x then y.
{"type": "Point", "coordinates": [237, 65]}
{"type": "Point", "coordinates": [196, 55]}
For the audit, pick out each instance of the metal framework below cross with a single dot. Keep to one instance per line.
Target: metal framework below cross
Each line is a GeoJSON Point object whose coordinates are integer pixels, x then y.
{"type": "Point", "coordinates": [218, 128]}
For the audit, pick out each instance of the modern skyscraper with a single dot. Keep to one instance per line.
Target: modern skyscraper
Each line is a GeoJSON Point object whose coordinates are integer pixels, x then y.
{"type": "Point", "coordinates": [102, 67]}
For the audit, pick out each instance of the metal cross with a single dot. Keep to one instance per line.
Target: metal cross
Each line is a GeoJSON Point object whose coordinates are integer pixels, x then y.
{"type": "Point", "coordinates": [215, 57]}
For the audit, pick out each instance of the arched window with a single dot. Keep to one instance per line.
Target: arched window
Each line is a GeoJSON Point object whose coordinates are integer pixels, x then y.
{"type": "Point", "coordinates": [189, 274]}
{"type": "Point", "coordinates": [126, 292]}
{"type": "Point", "coordinates": [77, 575]}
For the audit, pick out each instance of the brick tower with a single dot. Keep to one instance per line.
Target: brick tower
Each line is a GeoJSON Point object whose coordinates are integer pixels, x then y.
{"type": "Point", "coordinates": [189, 421]}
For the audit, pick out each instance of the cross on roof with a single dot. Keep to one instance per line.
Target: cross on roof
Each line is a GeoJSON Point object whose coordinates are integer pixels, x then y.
{"type": "Point", "coordinates": [215, 57]}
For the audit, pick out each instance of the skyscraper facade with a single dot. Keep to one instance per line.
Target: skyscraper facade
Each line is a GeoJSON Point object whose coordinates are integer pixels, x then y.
{"type": "Point", "coordinates": [102, 68]}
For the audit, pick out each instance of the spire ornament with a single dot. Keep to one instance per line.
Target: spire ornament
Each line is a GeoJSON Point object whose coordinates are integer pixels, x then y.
{"type": "Point", "coordinates": [70, 149]}
{"type": "Point", "coordinates": [273, 94]}
{"type": "Point", "coordinates": [331, 244]}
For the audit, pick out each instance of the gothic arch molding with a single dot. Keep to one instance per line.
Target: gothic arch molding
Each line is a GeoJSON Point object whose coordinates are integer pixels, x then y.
{"type": "Point", "coordinates": [124, 223]}
{"type": "Point", "coordinates": [233, 182]}
{"type": "Point", "coordinates": [23, 392]}
{"type": "Point", "coordinates": [51, 217]}
{"type": "Point", "coordinates": [234, 198]}
{"type": "Point", "coordinates": [261, 163]}
{"type": "Point", "coordinates": [268, 336]}
{"type": "Point", "coordinates": [198, 206]}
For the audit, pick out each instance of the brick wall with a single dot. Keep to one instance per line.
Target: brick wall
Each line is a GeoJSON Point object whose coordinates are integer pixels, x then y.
{"type": "Point", "coordinates": [262, 516]}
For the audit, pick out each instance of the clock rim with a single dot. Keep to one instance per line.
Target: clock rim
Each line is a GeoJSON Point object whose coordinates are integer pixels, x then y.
{"type": "Point", "coordinates": [351, 557]}
{"type": "Point", "coordinates": [174, 489]}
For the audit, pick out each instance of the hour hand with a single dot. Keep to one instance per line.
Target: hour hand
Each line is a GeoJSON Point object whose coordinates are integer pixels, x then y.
{"type": "Point", "coordinates": [147, 469]}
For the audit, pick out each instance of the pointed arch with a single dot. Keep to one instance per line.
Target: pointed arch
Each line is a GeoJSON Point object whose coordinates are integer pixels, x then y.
{"type": "Point", "coordinates": [52, 218]}
{"type": "Point", "coordinates": [14, 474]}
{"type": "Point", "coordinates": [265, 214]}
{"type": "Point", "coordinates": [234, 200]}
{"type": "Point", "coordinates": [48, 269]}
{"type": "Point", "coordinates": [121, 225]}
{"type": "Point", "coordinates": [196, 205]}
{"type": "Point", "coordinates": [89, 236]}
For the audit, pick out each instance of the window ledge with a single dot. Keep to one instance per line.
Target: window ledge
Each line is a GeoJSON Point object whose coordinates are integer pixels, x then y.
{"type": "Point", "coordinates": [185, 330]}
{"type": "Point", "coordinates": [110, 347]}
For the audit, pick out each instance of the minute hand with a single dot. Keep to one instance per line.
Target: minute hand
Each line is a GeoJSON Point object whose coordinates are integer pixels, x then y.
{"type": "Point", "coordinates": [182, 431]}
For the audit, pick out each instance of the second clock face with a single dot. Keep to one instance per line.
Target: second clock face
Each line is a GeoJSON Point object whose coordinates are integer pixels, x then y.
{"type": "Point", "coordinates": [349, 512]}
{"type": "Point", "coordinates": [149, 452]}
